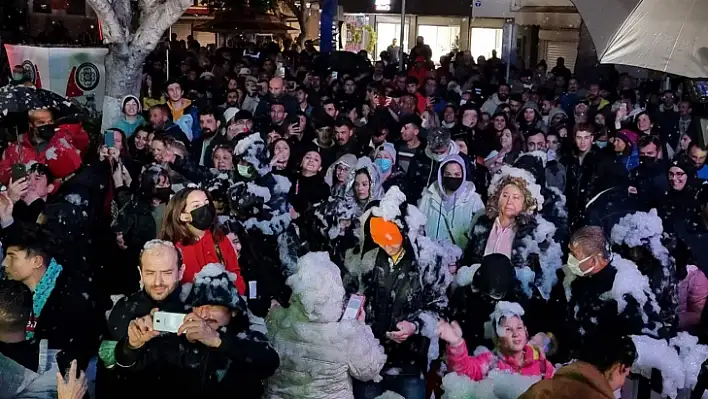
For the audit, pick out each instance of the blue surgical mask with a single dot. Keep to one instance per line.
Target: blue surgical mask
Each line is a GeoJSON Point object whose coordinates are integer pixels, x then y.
{"type": "Point", "coordinates": [383, 164]}
{"type": "Point", "coordinates": [601, 144]}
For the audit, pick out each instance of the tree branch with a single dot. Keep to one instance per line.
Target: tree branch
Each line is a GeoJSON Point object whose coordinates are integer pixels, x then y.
{"type": "Point", "coordinates": [113, 31]}
{"type": "Point", "coordinates": [154, 24]}
{"type": "Point", "coordinates": [147, 7]}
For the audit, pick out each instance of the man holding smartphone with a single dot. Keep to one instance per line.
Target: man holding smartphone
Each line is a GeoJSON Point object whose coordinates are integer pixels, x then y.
{"type": "Point", "coordinates": [400, 303]}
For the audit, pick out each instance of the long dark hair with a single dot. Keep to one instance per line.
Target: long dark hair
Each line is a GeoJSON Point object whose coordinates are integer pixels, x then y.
{"type": "Point", "coordinates": [174, 229]}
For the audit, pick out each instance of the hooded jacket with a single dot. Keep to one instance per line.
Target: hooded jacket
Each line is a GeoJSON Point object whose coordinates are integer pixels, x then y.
{"type": "Point", "coordinates": [413, 290]}
{"type": "Point", "coordinates": [574, 381]}
{"type": "Point", "coordinates": [450, 216]}
{"type": "Point", "coordinates": [349, 160]}
{"type": "Point", "coordinates": [319, 353]}
{"type": "Point", "coordinates": [188, 109]}
{"type": "Point", "coordinates": [127, 127]}
{"type": "Point", "coordinates": [422, 170]}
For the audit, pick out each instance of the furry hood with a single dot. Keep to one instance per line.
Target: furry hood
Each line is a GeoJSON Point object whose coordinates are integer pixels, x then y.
{"type": "Point", "coordinates": [317, 288]}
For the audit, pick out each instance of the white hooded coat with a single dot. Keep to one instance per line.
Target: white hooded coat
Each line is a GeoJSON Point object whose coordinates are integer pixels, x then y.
{"type": "Point", "coordinates": [319, 355]}
{"type": "Point", "coordinates": [450, 223]}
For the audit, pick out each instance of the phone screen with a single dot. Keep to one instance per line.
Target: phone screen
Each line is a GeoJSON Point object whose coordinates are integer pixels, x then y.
{"type": "Point", "coordinates": [109, 138]}
{"type": "Point", "coordinates": [355, 303]}
{"type": "Point", "coordinates": [335, 74]}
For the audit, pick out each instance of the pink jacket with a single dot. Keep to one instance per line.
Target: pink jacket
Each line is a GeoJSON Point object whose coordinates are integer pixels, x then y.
{"type": "Point", "coordinates": [477, 367]}
{"type": "Point", "coordinates": [693, 291]}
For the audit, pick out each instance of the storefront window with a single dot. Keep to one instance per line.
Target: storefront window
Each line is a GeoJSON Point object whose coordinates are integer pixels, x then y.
{"type": "Point", "coordinates": [386, 32]}
{"type": "Point", "coordinates": [441, 39]}
{"type": "Point", "coordinates": [484, 40]}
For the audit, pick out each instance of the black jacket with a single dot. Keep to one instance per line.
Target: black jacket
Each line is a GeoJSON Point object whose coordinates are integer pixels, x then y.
{"type": "Point", "coordinates": [171, 366]}
{"type": "Point", "coordinates": [588, 313]}
{"type": "Point", "coordinates": [71, 319]}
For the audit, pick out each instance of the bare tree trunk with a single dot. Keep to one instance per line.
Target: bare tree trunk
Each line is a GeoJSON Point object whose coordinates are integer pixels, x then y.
{"type": "Point", "coordinates": [300, 13]}
{"type": "Point", "coordinates": [127, 50]}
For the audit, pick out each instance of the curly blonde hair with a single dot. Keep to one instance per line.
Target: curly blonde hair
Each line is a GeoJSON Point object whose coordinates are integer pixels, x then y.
{"type": "Point", "coordinates": [492, 209]}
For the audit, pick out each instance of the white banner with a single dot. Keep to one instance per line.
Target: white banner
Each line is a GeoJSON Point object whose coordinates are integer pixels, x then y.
{"type": "Point", "coordinates": [77, 73]}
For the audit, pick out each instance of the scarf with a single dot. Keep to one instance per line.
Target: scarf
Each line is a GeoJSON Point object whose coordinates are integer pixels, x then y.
{"type": "Point", "coordinates": [41, 295]}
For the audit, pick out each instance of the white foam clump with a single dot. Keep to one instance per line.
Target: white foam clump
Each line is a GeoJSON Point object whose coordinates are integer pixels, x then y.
{"type": "Point", "coordinates": [691, 354]}
{"type": "Point", "coordinates": [505, 309]}
{"type": "Point", "coordinates": [497, 385]}
{"type": "Point", "coordinates": [389, 207]}
{"type": "Point", "coordinates": [630, 281]}
{"type": "Point", "coordinates": [465, 275]}
{"type": "Point", "coordinates": [389, 395]}
{"type": "Point", "coordinates": [258, 191]}
{"type": "Point", "coordinates": [526, 277]}
{"type": "Point", "coordinates": [550, 259]}
{"type": "Point", "coordinates": [640, 228]}
{"type": "Point", "coordinates": [657, 354]}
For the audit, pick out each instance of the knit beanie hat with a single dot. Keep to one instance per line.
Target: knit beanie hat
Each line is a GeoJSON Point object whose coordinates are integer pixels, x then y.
{"type": "Point", "coordinates": [685, 165]}
{"type": "Point", "coordinates": [62, 158]}
{"type": "Point", "coordinates": [214, 285]}
{"type": "Point", "coordinates": [384, 232]}
{"type": "Point", "coordinates": [128, 98]}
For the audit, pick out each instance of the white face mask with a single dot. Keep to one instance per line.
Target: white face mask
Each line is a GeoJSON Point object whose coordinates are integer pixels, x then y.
{"type": "Point", "coordinates": [574, 265]}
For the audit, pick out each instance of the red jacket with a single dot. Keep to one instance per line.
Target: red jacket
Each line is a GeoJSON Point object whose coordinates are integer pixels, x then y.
{"type": "Point", "coordinates": [63, 139]}
{"type": "Point", "coordinates": [477, 367]}
{"type": "Point", "coordinates": [203, 252]}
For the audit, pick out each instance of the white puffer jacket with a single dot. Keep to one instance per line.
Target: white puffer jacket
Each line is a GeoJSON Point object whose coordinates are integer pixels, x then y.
{"type": "Point", "coordinates": [319, 355]}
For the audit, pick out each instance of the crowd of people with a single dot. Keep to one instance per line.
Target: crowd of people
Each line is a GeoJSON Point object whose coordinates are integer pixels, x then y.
{"type": "Point", "coordinates": [483, 224]}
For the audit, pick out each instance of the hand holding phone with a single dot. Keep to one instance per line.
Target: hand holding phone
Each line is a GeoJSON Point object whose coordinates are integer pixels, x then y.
{"type": "Point", "coordinates": [354, 306]}
{"type": "Point", "coordinates": [109, 138]}
{"type": "Point", "coordinates": [73, 385]}
{"type": "Point", "coordinates": [167, 322]}
{"type": "Point", "coordinates": [19, 172]}
{"type": "Point", "coordinates": [196, 329]}
{"type": "Point", "coordinates": [141, 331]}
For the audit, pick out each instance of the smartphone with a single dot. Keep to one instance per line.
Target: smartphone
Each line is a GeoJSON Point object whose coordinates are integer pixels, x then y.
{"type": "Point", "coordinates": [109, 138]}
{"type": "Point", "coordinates": [356, 302]}
{"type": "Point", "coordinates": [335, 74]}
{"type": "Point", "coordinates": [281, 70]}
{"type": "Point", "coordinates": [19, 171]}
{"type": "Point", "coordinates": [167, 322]}
{"type": "Point", "coordinates": [64, 364]}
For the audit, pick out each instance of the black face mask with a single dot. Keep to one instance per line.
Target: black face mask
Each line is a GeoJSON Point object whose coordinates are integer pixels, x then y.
{"type": "Point", "coordinates": [203, 217]}
{"type": "Point", "coordinates": [45, 132]}
{"type": "Point", "coordinates": [162, 194]}
{"type": "Point", "coordinates": [649, 161]}
{"type": "Point", "coordinates": [452, 183]}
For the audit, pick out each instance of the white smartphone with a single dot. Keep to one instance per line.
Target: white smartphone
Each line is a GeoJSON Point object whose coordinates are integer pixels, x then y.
{"type": "Point", "coordinates": [335, 75]}
{"type": "Point", "coordinates": [356, 302]}
{"type": "Point", "coordinates": [167, 322]}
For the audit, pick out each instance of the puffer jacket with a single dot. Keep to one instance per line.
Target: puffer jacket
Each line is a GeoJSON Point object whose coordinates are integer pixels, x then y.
{"type": "Point", "coordinates": [319, 355]}
{"type": "Point", "coordinates": [477, 367]}
{"type": "Point", "coordinates": [450, 219]}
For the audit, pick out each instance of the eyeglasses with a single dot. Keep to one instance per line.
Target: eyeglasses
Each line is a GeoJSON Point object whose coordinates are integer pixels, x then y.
{"type": "Point", "coordinates": [676, 174]}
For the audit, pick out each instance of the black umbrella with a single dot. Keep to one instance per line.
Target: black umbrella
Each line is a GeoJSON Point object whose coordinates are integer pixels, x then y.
{"type": "Point", "coordinates": [20, 99]}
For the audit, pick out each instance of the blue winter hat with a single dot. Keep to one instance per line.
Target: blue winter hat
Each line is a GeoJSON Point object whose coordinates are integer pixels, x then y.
{"type": "Point", "coordinates": [214, 285]}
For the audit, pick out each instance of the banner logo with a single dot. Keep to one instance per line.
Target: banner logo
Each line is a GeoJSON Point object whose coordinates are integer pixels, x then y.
{"type": "Point", "coordinates": [87, 76]}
